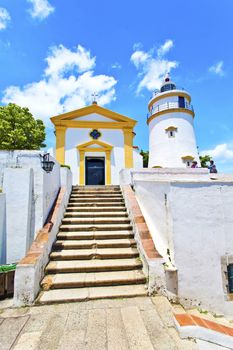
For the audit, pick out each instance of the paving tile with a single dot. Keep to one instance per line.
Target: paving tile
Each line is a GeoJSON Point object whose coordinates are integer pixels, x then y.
{"type": "Point", "coordinates": [158, 333]}
{"type": "Point", "coordinates": [164, 309]}
{"type": "Point", "coordinates": [9, 330]}
{"type": "Point", "coordinates": [28, 341]}
{"type": "Point", "coordinates": [74, 333]}
{"type": "Point", "coordinates": [116, 333]}
{"type": "Point", "coordinates": [96, 334]}
{"type": "Point", "coordinates": [136, 332]}
{"type": "Point", "coordinates": [51, 336]}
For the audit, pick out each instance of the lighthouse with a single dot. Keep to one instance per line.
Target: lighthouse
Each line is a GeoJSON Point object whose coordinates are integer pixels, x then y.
{"type": "Point", "coordinates": [172, 140]}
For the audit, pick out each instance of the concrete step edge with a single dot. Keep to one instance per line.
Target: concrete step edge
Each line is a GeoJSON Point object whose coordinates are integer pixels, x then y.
{"type": "Point", "coordinates": [79, 280]}
{"type": "Point", "coordinates": [91, 293]}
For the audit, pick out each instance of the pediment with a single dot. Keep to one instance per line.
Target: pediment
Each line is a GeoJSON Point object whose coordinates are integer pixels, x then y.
{"type": "Point", "coordinates": [94, 117]}
{"type": "Point", "coordinates": [95, 144]}
{"type": "Point", "coordinates": [93, 113]}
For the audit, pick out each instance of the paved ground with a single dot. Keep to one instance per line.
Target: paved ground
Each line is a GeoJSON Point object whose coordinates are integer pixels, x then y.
{"type": "Point", "coordinates": [120, 324]}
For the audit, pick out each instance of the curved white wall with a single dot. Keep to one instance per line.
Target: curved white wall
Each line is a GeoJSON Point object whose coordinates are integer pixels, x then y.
{"type": "Point", "coordinates": [168, 151]}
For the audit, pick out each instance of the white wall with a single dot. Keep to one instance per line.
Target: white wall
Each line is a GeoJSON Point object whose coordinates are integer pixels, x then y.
{"type": "Point", "coordinates": [137, 159]}
{"type": "Point", "coordinates": [44, 190]}
{"type": "Point", "coordinates": [191, 216]}
{"type": "Point", "coordinates": [2, 228]}
{"type": "Point", "coordinates": [202, 235]}
{"type": "Point", "coordinates": [115, 138]}
{"type": "Point", "coordinates": [18, 187]}
{"type": "Point", "coordinates": [45, 185]}
{"type": "Point", "coordinates": [29, 274]}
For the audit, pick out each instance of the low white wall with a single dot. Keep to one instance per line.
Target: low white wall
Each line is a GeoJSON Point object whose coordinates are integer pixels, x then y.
{"type": "Point", "coordinates": [191, 222]}
{"type": "Point", "coordinates": [29, 197]}
{"type": "Point", "coordinates": [18, 186]}
{"type": "Point", "coordinates": [2, 228]}
{"type": "Point", "coordinates": [45, 185]}
{"type": "Point", "coordinates": [202, 235]}
{"type": "Point", "coordinates": [137, 159]}
{"type": "Point", "coordinates": [66, 179]}
{"type": "Point", "coordinates": [30, 271]}
{"type": "Point", "coordinates": [125, 177]}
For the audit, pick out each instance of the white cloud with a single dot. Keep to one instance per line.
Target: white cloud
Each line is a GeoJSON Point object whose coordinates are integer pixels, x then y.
{"type": "Point", "coordinates": [67, 84]}
{"type": "Point", "coordinates": [222, 153]}
{"type": "Point", "coordinates": [165, 48]}
{"type": "Point", "coordinates": [40, 9]}
{"type": "Point", "coordinates": [137, 46]}
{"type": "Point", "coordinates": [217, 69]}
{"type": "Point", "coordinates": [116, 65]}
{"type": "Point", "coordinates": [63, 60]}
{"type": "Point", "coordinates": [4, 18]}
{"type": "Point", "coordinates": [152, 69]}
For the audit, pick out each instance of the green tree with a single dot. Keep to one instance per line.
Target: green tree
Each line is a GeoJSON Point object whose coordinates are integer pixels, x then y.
{"type": "Point", "coordinates": [145, 156]}
{"type": "Point", "coordinates": [204, 160]}
{"type": "Point", "coordinates": [19, 130]}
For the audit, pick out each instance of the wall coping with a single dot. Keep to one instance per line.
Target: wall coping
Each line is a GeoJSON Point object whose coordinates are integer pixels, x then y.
{"type": "Point", "coordinates": [196, 327]}
{"type": "Point", "coordinates": [140, 223]}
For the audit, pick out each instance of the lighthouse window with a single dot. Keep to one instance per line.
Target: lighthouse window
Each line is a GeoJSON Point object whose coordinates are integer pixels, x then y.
{"type": "Point", "coordinates": [171, 131]}
{"type": "Point", "coordinates": [230, 277]}
{"type": "Point", "coordinates": [181, 102]}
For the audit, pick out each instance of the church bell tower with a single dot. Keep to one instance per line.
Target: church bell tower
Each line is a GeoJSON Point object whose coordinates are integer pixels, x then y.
{"type": "Point", "coordinates": [172, 140]}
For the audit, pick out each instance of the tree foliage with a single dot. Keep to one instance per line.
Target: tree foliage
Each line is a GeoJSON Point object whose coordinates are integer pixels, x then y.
{"type": "Point", "coordinates": [19, 130]}
{"type": "Point", "coordinates": [145, 156]}
{"type": "Point", "coordinates": [204, 160]}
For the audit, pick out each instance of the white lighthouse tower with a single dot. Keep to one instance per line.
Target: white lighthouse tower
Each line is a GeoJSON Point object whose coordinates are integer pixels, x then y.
{"type": "Point", "coordinates": [172, 141]}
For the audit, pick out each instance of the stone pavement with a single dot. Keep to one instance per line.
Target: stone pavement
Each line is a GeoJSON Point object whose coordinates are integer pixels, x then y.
{"type": "Point", "coordinates": [117, 324]}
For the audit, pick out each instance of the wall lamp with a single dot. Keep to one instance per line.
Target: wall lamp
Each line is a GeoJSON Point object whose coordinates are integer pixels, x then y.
{"type": "Point", "coordinates": [46, 164]}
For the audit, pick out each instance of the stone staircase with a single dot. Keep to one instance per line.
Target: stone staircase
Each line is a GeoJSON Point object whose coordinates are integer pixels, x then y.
{"type": "Point", "coordinates": [95, 254]}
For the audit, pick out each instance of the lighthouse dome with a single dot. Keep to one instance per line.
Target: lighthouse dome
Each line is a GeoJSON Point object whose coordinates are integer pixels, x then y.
{"type": "Point", "coordinates": [167, 85]}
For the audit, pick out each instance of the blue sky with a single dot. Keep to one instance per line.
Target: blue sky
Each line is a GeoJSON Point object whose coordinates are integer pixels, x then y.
{"type": "Point", "coordinates": [54, 54]}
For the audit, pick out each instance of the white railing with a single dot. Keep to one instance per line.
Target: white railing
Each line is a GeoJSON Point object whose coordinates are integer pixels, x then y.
{"type": "Point", "coordinates": [170, 105]}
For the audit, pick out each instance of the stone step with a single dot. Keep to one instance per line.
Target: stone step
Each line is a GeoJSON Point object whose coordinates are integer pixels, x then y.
{"type": "Point", "coordinates": [96, 199]}
{"type": "Point", "coordinates": [95, 227]}
{"type": "Point", "coordinates": [93, 221]}
{"type": "Point", "coordinates": [97, 204]}
{"type": "Point", "coordinates": [91, 293]}
{"type": "Point", "coordinates": [95, 253]}
{"type": "Point", "coordinates": [96, 209]}
{"type": "Point", "coordinates": [96, 188]}
{"type": "Point", "coordinates": [95, 195]}
{"type": "Point", "coordinates": [95, 192]}
{"type": "Point", "coordinates": [100, 235]}
{"type": "Point", "coordinates": [97, 214]}
{"type": "Point", "coordinates": [94, 243]}
{"type": "Point", "coordinates": [90, 279]}
{"type": "Point", "coordinates": [93, 265]}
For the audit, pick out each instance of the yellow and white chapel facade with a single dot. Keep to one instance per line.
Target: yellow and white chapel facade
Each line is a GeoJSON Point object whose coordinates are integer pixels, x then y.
{"type": "Point", "coordinates": [96, 143]}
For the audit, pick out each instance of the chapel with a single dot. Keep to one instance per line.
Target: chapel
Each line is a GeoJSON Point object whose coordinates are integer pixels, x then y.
{"type": "Point", "coordinates": [96, 143]}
